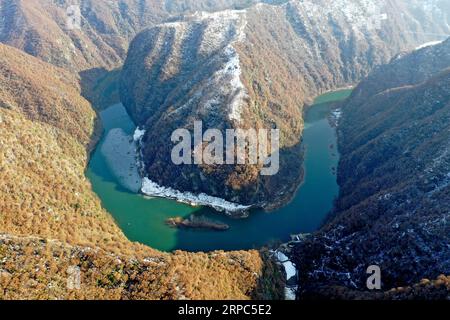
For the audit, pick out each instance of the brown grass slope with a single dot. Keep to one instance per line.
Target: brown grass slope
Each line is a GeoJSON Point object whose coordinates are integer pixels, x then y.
{"type": "Point", "coordinates": [46, 129]}
{"type": "Point", "coordinates": [36, 268]}
{"type": "Point", "coordinates": [50, 219]}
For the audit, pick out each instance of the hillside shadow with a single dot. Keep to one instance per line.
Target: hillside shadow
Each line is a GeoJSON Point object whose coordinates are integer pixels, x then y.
{"type": "Point", "coordinates": [100, 86]}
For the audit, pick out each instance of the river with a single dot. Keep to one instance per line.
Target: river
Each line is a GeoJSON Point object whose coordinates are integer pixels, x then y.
{"type": "Point", "coordinates": [142, 219]}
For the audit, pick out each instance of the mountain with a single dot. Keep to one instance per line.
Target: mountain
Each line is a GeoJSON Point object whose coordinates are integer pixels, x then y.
{"type": "Point", "coordinates": [241, 63]}
{"type": "Point", "coordinates": [392, 210]}
{"type": "Point", "coordinates": [256, 68]}
{"type": "Point", "coordinates": [46, 132]}
{"type": "Point", "coordinates": [40, 27]}
{"type": "Point", "coordinates": [98, 48]}
{"type": "Point", "coordinates": [52, 220]}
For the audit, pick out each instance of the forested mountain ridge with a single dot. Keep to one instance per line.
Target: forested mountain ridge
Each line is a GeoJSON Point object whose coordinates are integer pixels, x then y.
{"type": "Point", "coordinates": [395, 182]}
{"type": "Point", "coordinates": [97, 48]}
{"type": "Point", "coordinates": [38, 268]}
{"type": "Point", "coordinates": [48, 211]}
{"type": "Point", "coordinates": [40, 27]}
{"type": "Point", "coordinates": [50, 219]}
{"type": "Point", "coordinates": [255, 68]}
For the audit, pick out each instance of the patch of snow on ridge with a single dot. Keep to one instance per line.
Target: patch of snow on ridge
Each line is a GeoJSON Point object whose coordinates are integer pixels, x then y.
{"type": "Point", "coordinates": [219, 15]}
{"type": "Point", "coordinates": [429, 44]}
{"type": "Point", "coordinates": [232, 71]}
{"type": "Point", "coordinates": [223, 91]}
{"type": "Point", "coordinates": [229, 76]}
{"type": "Point", "coordinates": [221, 27]}
{"type": "Point", "coordinates": [151, 188]}
{"type": "Point", "coordinates": [361, 15]}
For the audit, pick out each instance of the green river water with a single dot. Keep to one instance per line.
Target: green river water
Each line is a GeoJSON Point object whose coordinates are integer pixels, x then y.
{"type": "Point", "coordinates": [142, 219]}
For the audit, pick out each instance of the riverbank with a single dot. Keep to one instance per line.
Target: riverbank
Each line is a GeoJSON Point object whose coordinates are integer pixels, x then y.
{"type": "Point", "coordinates": [152, 189]}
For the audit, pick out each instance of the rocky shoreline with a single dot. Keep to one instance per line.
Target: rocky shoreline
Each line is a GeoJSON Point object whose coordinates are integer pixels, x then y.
{"type": "Point", "coordinates": [151, 188]}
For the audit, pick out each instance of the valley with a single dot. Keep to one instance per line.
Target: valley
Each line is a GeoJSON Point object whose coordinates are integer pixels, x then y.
{"type": "Point", "coordinates": [51, 220]}
{"type": "Point", "coordinates": [87, 181]}
{"type": "Point", "coordinates": [144, 220]}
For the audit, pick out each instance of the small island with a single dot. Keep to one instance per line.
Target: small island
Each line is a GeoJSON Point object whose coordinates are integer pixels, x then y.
{"type": "Point", "coordinates": [196, 222]}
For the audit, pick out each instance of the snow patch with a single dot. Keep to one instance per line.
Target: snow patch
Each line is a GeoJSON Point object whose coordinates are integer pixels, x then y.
{"type": "Point", "coordinates": [291, 272]}
{"type": "Point", "coordinates": [224, 15]}
{"type": "Point", "coordinates": [290, 294]}
{"type": "Point", "coordinates": [289, 267]}
{"type": "Point", "coordinates": [361, 15]}
{"type": "Point", "coordinates": [429, 44]}
{"type": "Point", "coordinates": [138, 134]}
{"type": "Point", "coordinates": [232, 71]}
{"type": "Point", "coordinates": [224, 90]}
{"type": "Point", "coordinates": [337, 114]}
{"type": "Point", "coordinates": [153, 189]}
{"type": "Point", "coordinates": [228, 78]}
{"type": "Point", "coordinates": [220, 26]}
